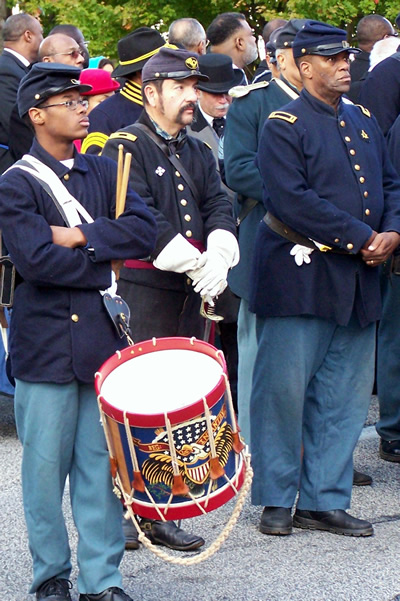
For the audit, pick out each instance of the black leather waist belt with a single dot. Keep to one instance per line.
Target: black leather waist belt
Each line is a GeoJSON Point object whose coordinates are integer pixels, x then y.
{"type": "Point", "coordinates": [286, 232]}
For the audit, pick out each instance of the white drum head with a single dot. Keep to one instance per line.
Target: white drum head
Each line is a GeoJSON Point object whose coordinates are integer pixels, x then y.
{"type": "Point", "coordinates": [161, 381]}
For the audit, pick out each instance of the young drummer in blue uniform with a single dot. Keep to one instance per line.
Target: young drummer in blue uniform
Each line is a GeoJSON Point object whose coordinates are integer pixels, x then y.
{"type": "Point", "coordinates": [61, 334]}
{"type": "Point", "coordinates": [327, 178]}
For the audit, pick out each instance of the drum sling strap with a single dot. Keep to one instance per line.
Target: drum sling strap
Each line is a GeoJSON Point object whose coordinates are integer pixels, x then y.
{"type": "Point", "coordinates": [71, 211]}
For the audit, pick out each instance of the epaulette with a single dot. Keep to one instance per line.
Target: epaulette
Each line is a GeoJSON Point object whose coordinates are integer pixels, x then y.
{"type": "Point", "coordinates": [365, 111]}
{"type": "Point", "coordinates": [123, 135]}
{"type": "Point", "coordinates": [284, 116]}
{"type": "Point", "coordinates": [239, 91]}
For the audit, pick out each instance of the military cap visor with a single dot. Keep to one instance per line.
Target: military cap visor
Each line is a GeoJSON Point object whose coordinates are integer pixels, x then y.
{"type": "Point", "coordinates": [45, 80]}
{"type": "Point", "coordinates": [180, 75]}
{"type": "Point", "coordinates": [330, 49]}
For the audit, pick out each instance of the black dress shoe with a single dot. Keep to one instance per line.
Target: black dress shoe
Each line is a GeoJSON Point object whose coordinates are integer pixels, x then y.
{"type": "Point", "coordinates": [276, 520]}
{"type": "Point", "coordinates": [110, 594]}
{"type": "Point", "coordinates": [360, 479]}
{"type": "Point", "coordinates": [170, 535]}
{"type": "Point", "coordinates": [389, 450]}
{"type": "Point", "coordinates": [336, 521]}
{"type": "Point", "coordinates": [130, 534]}
{"type": "Point", "coordinates": [54, 589]}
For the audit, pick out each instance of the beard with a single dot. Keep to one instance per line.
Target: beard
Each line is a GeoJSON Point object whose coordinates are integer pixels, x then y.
{"type": "Point", "coordinates": [251, 54]}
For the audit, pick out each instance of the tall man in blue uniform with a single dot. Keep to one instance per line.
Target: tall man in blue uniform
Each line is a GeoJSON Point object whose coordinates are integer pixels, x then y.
{"type": "Point", "coordinates": [333, 214]}
{"type": "Point", "coordinates": [244, 124]}
{"type": "Point", "coordinates": [380, 92]}
{"type": "Point", "coordinates": [196, 245]}
{"type": "Point", "coordinates": [388, 340]}
{"type": "Point", "coordinates": [61, 334]}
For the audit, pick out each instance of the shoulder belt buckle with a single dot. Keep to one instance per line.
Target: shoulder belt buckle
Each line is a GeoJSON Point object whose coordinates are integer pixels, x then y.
{"type": "Point", "coordinates": [284, 116]}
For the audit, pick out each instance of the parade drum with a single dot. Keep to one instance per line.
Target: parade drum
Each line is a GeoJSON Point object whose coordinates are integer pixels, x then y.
{"type": "Point", "coordinates": [170, 427]}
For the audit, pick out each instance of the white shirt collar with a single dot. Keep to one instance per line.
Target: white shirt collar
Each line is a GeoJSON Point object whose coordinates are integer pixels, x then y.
{"type": "Point", "coordinates": [19, 56]}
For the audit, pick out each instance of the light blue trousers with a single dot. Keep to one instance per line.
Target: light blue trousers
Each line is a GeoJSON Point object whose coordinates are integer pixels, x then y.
{"type": "Point", "coordinates": [388, 365]}
{"type": "Point", "coordinates": [247, 349]}
{"type": "Point", "coordinates": [61, 434]}
{"type": "Point", "coordinates": [312, 385]}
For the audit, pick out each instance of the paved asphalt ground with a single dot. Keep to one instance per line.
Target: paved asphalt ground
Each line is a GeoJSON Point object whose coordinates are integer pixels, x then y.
{"type": "Point", "coordinates": [307, 566]}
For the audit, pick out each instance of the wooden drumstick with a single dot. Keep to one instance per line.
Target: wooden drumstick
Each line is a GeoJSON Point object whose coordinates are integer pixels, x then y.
{"type": "Point", "coordinates": [119, 170]}
{"type": "Point", "coordinates": [120, 203]}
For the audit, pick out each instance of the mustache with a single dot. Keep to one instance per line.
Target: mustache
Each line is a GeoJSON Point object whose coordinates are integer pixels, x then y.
{"type": "Point", "coordinates": [189, 105]}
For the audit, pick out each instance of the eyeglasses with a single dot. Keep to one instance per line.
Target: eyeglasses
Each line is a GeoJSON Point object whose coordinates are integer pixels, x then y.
{"type": "Point", "coordinates": [70, 104]}
{"type": "Point", "coordinates": [73, 53]}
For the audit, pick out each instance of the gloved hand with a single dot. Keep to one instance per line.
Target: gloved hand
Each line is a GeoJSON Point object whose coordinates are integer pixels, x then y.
{"type": "Point", "coordinates": [225, 244]}
{"type": "Point", "coordinates": [301, 254]}
{"type": "Point", "coordinates": [222, 253]}
{"type": "Point", "coordinates": [179, 256]}
{"type": "Point", "coordinates": [210, 279]}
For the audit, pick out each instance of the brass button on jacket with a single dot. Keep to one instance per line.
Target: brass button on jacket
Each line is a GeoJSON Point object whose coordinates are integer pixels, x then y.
{"type": "Point", "coordinates": [75, 317]}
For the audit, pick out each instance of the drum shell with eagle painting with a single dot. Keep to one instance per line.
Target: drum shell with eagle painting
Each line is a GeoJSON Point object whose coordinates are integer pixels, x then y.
{"type": "Point", "coordinates": [170, 379]}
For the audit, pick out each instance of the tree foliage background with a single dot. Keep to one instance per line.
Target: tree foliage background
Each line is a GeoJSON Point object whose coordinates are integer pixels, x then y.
{"type": "Point", "coordinates": [104, 22]}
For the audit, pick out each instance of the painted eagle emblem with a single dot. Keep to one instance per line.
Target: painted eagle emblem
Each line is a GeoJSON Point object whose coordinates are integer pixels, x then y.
{"type": "Point", "coordinates": [192, 447]}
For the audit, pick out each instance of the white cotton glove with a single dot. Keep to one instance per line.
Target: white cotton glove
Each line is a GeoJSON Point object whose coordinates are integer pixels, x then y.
{"type": "Point", "coordinates": [222, 253]}
{"type": "Point", "coordinates": [225, 244]}
{"type": "Point", "coordinates": [301, 254]}
{"type": "Point", "coordinates": [179, 256]}
{"type": "Point", "coordinates": [210, 279]}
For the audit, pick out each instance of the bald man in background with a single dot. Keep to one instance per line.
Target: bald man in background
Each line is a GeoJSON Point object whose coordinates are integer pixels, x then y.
{"type": "Point", "coordinates": [189, 34]}
{"type": "Point", "coordinates": [61, 48]}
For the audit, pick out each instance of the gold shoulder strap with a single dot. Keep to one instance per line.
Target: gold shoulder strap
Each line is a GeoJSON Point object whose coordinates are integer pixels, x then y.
{"type": "Point", "coordinates": [284, 116]}
{"type": "Point", "coordinates": [123, 135]}
{"type": "Point", "coordinates": [365, 111]}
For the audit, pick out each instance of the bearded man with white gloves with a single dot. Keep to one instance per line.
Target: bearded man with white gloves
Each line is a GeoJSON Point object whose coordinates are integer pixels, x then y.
{"type": "Point", "coordinates": [196, 245]}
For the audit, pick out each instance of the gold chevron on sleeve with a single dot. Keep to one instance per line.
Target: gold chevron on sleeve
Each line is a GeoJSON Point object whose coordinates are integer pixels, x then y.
{"type": "Point", "coordinates": [95, 138]}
